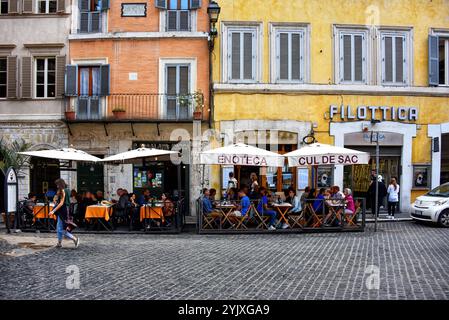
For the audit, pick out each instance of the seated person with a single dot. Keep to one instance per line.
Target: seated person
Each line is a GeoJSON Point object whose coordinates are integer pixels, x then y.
{"type": "Point", "coordinates": [263, 209]}
{"type": "Point", "coordinates": [168, 209]}
{"type": "Point", "coordinates": [295, 202]}
{"type": "Point", "coordinates": [304, 196]}
{"type": "Point", "coordinates": [207, 204]}
{"type": "Point", "coordinates": [30, 203]}
{"type": "Point", "coordinates": [212, 195]}
{"type": "Point", "coordinates": [245, 204]}
{"type": "Point", "coordinates": [350, 206]}
{"type": "Point", "coordinates": [99, 195]}
{"type": "Point", "coordinates": [144, 197]}
{"type": "Point", "coordinates": [318, 202]}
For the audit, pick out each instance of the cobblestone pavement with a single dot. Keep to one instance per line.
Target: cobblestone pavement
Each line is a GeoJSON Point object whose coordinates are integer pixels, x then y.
{"type": "Point", "coordinates": [413, 260]}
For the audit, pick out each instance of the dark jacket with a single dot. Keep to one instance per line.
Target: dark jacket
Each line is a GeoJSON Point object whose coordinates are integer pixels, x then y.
{"type": "Point", "coordinates": [382, 191]}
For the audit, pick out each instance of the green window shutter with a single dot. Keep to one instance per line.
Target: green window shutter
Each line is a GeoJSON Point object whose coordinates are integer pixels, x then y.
{"type": "Point", "coordinates": [105, 80]}
{"type": "Point", "coordinates": [27, 89]}
{"type": "Point", "coordinates": [71, 80]}
{"type": "Point", "coordinates": [11, 74]}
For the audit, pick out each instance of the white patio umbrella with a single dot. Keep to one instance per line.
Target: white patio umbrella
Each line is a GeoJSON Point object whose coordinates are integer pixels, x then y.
{"type": "Point", "coordinates": [243, 155]}
{"type": "Point", "coordinates": [317, 154]}
{"type": "Point", "coordinates": [63, 154]}
{"type": "Point", "coordinates": [138, 154]}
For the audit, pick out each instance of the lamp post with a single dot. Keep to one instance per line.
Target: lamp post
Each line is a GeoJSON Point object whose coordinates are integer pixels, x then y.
{"type": "Point", "coordinates": [375, 137]}
{"type": "Point", "coordinates": [213, 10]}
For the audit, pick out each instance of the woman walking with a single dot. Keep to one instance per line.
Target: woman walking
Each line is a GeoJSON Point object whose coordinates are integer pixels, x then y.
{"type": "Point", "coordinates": [393, 197]}
{"type": "Point", "coordinates": [61, 210]}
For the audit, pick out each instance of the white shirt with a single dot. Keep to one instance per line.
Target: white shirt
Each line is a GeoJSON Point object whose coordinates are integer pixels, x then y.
{"type": "Point", "coordinates": [393, 195]}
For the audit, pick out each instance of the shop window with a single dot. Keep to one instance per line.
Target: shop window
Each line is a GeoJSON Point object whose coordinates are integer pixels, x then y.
{"type": "Point", "coordinates": [290, 54]}
{"type": "Point", "coordinates": [394, 58]}
{"type": "Point", "coordinates": [45, 77]}
{"type": "Point", "coordinates": [352, 56]}
{"type": "Point", "coordinates": [3, 77]}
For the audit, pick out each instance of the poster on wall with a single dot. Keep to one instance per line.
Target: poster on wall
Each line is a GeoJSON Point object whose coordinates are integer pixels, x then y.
{"type": "Point", "coordinates": [324, 177]}
{"type": "Point", "coordinates": [421, 176]}
{"type": "Point", "coordinates": [303, 178]}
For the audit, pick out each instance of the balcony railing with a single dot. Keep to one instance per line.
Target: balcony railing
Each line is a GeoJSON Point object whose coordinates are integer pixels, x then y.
{"type": "Point", "coordinates": [139, 107]}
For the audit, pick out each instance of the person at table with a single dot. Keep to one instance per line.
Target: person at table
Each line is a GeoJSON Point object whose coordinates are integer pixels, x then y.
{"type": "Point", "coordinates": [134, 211]}
{"type": "Point", "coordinates": [212, 195]}
{"type": "Point", "coordinates": [263, 209]}
{"type": "Point", "coordinates": [304, 196]}
{"type": "Point", "coordinates": [208, 210]}
{"type": "Point", "coordinates": [295, 202]}
{"type": "Point", "coordinates": [350, 206]}
{"type": "Point", "coordinates": [61, 211]}
{"type": "Point", "coordinates": [30, 203]}
{"type": "Point", "coordinates": [99, 195]}
{"type": "Point", "coordinates": [245, 204]}
{"type": "Point", "coordinates": [144, 197]}
{"type": "Point", "coordinates": [318, 202]}
{"type": "Point", "coordinates": [168, 209]}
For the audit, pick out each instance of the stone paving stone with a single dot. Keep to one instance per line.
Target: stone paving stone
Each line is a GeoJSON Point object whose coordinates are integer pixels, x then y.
{"type": "Point", "coordinates": [411, 259]}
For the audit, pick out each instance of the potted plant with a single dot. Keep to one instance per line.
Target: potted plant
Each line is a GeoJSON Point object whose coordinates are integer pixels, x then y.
{"type": "Point", "coordinates": [70, 114]}
{"type": "Point", "coordinates": [119, 112]}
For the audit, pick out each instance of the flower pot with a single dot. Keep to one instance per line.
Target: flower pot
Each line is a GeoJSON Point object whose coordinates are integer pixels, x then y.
{"type": "Point", "coordinates": [197, 115]}
{"type": "Point", "coordinates": [119, 114]}
{"type": "Point", "coordinates": [70, 115]}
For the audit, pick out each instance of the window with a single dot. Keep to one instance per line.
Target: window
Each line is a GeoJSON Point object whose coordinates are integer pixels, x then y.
{"type": "Point", "coordinates": [45, 77]}
{"type": "Point", "coordinates": [242, 55]}
{"type": "Point", "coordinates": [3, 6]}
{"type": "Point", "coordinates": [92, 15]}
{"type": "Point", "coordinates": [352, 57]}
{"type": "Point", "coordinates": [89, 92]}
{"type": "Point", "coordinates": [290, 48]}
{"type": "Point", "coordinates": [177, 87]}
{"type": "Point", "coordinates": [178, 16]}
{"type": "Point", "coordinates": [3, 77]}
{"type": "Point", "coordinates": [394, 58]}
{"type": "Point", "coordinates": [443, 63]}
{"type": "Point", "coordinates": [46, 6]}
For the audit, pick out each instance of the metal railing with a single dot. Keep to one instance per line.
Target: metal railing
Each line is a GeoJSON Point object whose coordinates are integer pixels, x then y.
{"type": "Point", "coordinates": [129, 106]}
{"type": "Point", "coordinates": [317, 215]}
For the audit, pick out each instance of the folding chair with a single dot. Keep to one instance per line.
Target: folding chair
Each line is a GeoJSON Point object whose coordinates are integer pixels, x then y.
{"type": "Point", "coordinates": [243, 220]}
{"type": "Point", "coordinates": [258, 218]}
{"type": "Point", "coordinates": [296, 219]}
{"type": "Point", "coordinates": [314, 217]}
{"type": "Point", "coordinates": [351, 219]}
{"type": "Point", "coordinates": [209, 221]}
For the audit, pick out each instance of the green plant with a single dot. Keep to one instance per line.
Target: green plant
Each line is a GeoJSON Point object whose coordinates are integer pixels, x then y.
{"type": "Point", "coordinates": [196, 98]}
{"type": "Point", "coordinates": [119, 109]}
{"type": "Point", "coordinates": [9, 156]}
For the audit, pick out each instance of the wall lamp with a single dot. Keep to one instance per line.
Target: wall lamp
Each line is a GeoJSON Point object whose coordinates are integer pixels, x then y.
{"type": "Point", "coordinates": [213, 10]}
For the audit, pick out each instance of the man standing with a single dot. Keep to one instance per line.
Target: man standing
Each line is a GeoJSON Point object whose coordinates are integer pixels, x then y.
{"type": "Point", "coordinates": [382, 192]}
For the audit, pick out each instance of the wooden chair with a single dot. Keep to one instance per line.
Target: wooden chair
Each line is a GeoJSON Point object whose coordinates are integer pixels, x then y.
{"type": "Point", "coordinates": [296, 219]}
{"type": "Point", "coordinates": [259, 219]}
{"type": "Point", "coordinates": [351, 219]}
{"type": "Point", "coordinates": [210, 220]}
{"type": "Point", "coordinates": [314, 217]}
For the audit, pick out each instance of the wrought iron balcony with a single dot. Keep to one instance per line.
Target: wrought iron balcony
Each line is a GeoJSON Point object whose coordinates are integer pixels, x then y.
{"type": "Point", "coordinates": [134, 107]}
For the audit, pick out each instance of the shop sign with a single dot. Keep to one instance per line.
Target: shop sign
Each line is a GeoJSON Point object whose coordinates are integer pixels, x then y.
{"type": "Point", "coordinates": [243, 160]}
{"type": "Point", "coordinates": [332, 160]}
{"type": "Point", "coordinates": [364, 138]}
{"type": "Point", "coordinates": [383, 113]}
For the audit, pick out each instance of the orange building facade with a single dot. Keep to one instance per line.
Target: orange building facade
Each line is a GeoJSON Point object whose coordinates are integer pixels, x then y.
{"type": "Point", "coordinates": [138, 73]}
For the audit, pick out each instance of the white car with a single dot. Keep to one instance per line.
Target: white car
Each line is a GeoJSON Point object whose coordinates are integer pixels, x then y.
{"type": "Point", "coordinates": [433, 206]}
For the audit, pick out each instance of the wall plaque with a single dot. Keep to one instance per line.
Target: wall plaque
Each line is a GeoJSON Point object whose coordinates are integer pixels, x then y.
{"type": "Point", "coordinates": [134, 9]}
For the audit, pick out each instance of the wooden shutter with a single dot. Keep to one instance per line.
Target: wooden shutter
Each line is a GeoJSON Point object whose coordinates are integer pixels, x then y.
{"type": "Point", "coordinates": [172, 20]}
{"type": "Point", "coordinates": [13, 6]}
{"type": "Point", "coordinates": [358, 58]}
{"type": "Point", "coordinates": [434, 76]}
{"type": "Point", "coordinates": [11, 77]}
{"type": "Point", "coordinates": [248, 56]}
{"type": "Point", "coordinates": [388, 59]}
{"type": "Point", "coordinates": [60, 75]}
{"type": "Point", "coordinates": [104, 5]}
{"type": "Point", "coordinates": [235, 56]}
{"type": "Point", "coordinates": [347, 58]}
{"type": "Point", "coordinates": [195, 4]}
{"type": "Point", "coordinates": [71, 80]}
{"type": "Point", "coordinates": [104, 80]}
{"type": "Point", "coordinates": [27, 6]}
{"type": "Point", "coordinates": [296, 57]}
{"type": "Point", "coordinates": [60, 6]}
{"type": "Point", "coordinates": [83, 5]}
{"type": "Point", "coordinates": [184, 17]}
{"type": "Point", "coordinates": [161, 4]}
{"type": "Point", "coordinates": [399, 58]}
{"type": "Point", "coordinates": [283, 56]}
{"type": "Point", "coordinates": [27, 89]}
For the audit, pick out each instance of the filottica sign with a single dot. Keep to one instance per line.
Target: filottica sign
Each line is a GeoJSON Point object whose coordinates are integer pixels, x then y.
{"type": "Point", "coordinates": [374, 113]}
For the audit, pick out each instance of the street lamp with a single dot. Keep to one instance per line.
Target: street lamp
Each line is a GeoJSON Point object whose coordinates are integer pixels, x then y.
{"type": "Point", "coordinates": [213, 10]}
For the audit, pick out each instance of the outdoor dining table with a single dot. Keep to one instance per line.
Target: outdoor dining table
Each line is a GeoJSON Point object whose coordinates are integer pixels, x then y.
{"type": "Point", "coordinates": [151, 212]}
{"type": "Point", "coordinates": [42, 211]}
{"type": "Point", "coordinates": [226, 211]}
{"type": "Point", "coordinates": [98, 212]}
{"type": "Point", "coordinates": [282, 209]}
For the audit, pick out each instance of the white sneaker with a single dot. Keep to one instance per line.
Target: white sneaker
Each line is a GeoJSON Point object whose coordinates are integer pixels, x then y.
{"type": "Point", "coordinates": [77, 242]}
{"type": "Point", "coordinates": [271, 228]}
{"type": "Point", "coordinates": [285, 226]}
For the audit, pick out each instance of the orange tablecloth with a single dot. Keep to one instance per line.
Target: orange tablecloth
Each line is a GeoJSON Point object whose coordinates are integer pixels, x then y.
{"type": "Point", "coordinates": [147, 212]}
{"type": "Point", "coordinates": [98, 212]}
{"type": "Point", "coordinates": [42, 212]}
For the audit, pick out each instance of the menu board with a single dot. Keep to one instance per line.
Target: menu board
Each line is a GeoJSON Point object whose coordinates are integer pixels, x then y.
{"type": "Point", "coordinates": [302, 178]}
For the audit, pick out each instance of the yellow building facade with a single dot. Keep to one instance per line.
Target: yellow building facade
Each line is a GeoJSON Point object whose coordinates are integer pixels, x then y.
{"type": "Point", "coordinates": [338, 71]}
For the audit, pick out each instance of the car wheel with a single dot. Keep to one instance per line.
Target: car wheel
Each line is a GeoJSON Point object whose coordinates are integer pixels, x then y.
{"type": "Point", "coordinates": [443, 219]}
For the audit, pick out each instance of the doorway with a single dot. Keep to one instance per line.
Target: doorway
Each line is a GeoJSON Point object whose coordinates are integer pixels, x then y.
{"type": "Point", "coordinates": [43, 173]}
{"type": "Point", "coordinates": [90, 177]}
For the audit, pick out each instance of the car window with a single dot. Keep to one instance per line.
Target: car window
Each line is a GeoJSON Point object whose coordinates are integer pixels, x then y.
{"type": "Point", "coordinates": [440, 191]}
